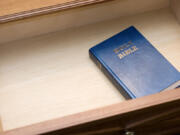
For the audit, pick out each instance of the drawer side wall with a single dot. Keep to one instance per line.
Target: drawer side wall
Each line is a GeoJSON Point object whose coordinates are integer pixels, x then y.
{"type": "Point", "coordinates": [76, 17]}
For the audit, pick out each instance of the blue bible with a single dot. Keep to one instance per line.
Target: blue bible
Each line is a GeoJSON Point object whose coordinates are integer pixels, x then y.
{"type": "Point", "coordinates": [135, 67]}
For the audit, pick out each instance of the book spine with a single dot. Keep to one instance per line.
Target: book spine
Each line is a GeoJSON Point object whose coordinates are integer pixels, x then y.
{"type": "Point", "coordinates": [109, 76]}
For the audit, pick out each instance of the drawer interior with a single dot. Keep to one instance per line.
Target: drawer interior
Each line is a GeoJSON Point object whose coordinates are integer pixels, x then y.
{"type": "Point", "coordinates": [49, 74]}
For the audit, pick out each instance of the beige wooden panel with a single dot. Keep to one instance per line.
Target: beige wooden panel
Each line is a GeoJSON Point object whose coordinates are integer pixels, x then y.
{"type": "Point", "coordinates": [39, 25]}
{"type": "Point", "coordinates": [18, 9]}
{"type": "Point", "coordinates": [51, 76]}
{"type": "Point", "coordinates": [15, 6]}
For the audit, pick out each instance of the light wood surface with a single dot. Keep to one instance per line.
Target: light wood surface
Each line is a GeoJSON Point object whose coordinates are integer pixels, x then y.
{"type": "Point", "coordinates": [15, 6]}
{"type": "Point", "coordinates": [51, 76]}
{"type": "Point", "coordinates": [97, 114]}
{"type": "Point", "coordinates": [76, 17]}
{"type": "Point", "coordinates": [18, 9]}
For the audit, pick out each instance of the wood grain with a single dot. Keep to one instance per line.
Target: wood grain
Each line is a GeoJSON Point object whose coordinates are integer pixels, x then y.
{"type": "Point", "coordinates": [119, 109]}
{"type": "Point", "coordinates": [21, 61]}
{"type": "Point", "coordinates": [18, 9]}
{"type": "Point", "coordinates": [35, 26]}
{"type": "Point", "coordinates": [16, 6]}
{"type": "Point", "coordinates": [39, 86]}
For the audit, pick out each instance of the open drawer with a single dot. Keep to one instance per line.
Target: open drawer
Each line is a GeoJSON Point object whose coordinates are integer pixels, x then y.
{"type": "Point", "coordinates": [50, 85]}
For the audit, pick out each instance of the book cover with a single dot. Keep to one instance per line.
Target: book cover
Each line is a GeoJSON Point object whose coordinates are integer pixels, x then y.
{"type": "Point", "coordinates": [135, 67]}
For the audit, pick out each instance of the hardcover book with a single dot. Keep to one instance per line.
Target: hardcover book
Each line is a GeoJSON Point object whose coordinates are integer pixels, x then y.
{"type": "Point", "coordinates": [135, 67]}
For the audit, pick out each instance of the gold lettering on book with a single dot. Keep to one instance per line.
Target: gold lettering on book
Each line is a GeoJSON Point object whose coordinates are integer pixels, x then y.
{"type": "Point", "coordinates": [123, 46]}
{"type": "Point", "coordinates": [127, 52]}
{"type": "Point", "coordinates": [125, 49]}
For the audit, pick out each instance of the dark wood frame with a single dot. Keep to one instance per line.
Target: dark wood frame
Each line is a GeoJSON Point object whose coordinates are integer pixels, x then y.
{"type": "Point", "coordinates": [157, 108]}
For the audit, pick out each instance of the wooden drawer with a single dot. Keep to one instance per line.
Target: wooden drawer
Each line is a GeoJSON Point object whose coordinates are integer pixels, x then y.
{"type": "Point", "coordinates": [49, 85]}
